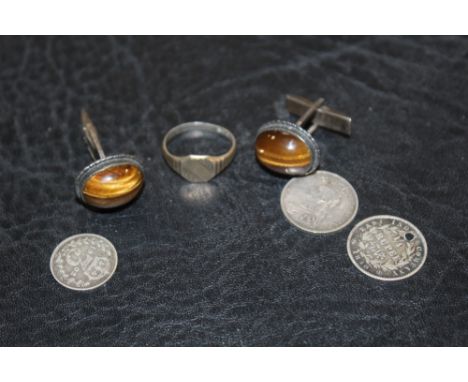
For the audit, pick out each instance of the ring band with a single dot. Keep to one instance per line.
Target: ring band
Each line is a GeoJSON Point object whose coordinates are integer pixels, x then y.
{"type": "Point", "coordinates": [198, 168]}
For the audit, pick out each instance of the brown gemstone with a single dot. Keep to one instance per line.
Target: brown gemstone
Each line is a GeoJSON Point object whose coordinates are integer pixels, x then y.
{"type": "Point", "coordinates": [113, 186]}
{"type": "Point", "coordinates": [283, 152]}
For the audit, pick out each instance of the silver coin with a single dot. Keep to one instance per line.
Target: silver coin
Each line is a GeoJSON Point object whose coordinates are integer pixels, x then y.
{"type": "Point", "coordinates": [387, 248]}
{"type": "Point", "coordinates": [83, 262]}
{"type": "Point", "coordinates": [319, 203]}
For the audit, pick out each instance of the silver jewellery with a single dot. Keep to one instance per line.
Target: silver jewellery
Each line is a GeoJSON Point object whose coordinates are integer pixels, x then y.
{"type": "Point", "coordinates": [110, 181]}
{"type": "Point", "coordinates": [387, 248]}
{"type": "Point", "coordinates": [323, 202]}
{"type": "Point", "coordinates": [287, 148]}
{"type": "Point", "coordinates": [198, 168]}
{"type": "Point", "coordinates": [83, 262]}
{"type": "Point", "coordinates": [383, 247]}
{"type": "Point", "coordinates": [316, 201]}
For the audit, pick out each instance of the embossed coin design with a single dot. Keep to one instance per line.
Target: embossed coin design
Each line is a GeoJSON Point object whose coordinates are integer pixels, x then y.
{"type": "Point", "coordinates": [83, 262]}
{"type": "Point", "coordinates": [387, 248]}
{"type": "Point", "coordinates": [319, 203]}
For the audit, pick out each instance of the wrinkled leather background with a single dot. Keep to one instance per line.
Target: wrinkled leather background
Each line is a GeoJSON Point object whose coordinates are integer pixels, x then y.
{"type": "Point", "coordinates": [219, 264]}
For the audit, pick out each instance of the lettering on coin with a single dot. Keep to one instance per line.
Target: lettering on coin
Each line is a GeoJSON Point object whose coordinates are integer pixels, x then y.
{"type": "Point", "coordinates": [387, 248]}
{"type": "Point", "coordinates": [83, 262]}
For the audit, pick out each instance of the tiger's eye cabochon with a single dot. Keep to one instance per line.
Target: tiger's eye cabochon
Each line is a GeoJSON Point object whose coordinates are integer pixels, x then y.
{"type": "Point", "coordinates": [283, 152]}
{"type": "Point", "coordinates": [113, 186]}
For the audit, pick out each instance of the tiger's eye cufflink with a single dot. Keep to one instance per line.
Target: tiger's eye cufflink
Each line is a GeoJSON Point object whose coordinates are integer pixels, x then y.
{"type": "Point", "coordinates": [287, 148]}
{"type": "Point", "coordinates": [110, 181]}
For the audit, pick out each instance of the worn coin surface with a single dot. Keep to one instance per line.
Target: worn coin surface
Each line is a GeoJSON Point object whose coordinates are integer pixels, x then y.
{"type": "Point", "coordinates": [83, 262]}
{"type": "Point", "coordinates": [320, 203]}
{"type": "Point", "coordinates": [387, 248]}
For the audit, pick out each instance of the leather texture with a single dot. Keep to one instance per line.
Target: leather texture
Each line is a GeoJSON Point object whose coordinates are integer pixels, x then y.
{"type": "Point", "coordinates": [217, 263]}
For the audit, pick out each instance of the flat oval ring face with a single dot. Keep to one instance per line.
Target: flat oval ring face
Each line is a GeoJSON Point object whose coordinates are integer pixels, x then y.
{"type": "Point", "coordinates": [110, 182]}
{"type": "Point", "coordinates": [287, 148]}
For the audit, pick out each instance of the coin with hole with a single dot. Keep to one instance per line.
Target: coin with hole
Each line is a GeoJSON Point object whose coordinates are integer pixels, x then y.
{"type": "Point", "coordinates": [387, 248]}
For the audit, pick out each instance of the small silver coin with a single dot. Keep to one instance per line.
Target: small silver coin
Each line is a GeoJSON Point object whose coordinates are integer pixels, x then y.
{"type": "Point", "coordinates": [319, 203]}
{"type": "Point", "coordinates": [83, 262]}
{"type": "Point", "coordinates": [387, 248]}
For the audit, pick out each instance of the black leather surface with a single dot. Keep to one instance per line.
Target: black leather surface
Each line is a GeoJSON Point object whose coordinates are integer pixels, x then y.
{"type": "Point", "coordinates": [218, 264]}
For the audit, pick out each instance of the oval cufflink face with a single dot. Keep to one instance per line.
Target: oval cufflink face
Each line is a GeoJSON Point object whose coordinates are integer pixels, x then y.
{"type": "Point", "coordinates": [112, 185]}
{"type": "Point", "coordinates": [283, 148]}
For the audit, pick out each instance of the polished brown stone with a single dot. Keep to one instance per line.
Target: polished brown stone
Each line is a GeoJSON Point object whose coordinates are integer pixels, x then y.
{"type": "Point", "coordinates": [113, 186]}
{"type": "Point", "coordinates": [283, 152]}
